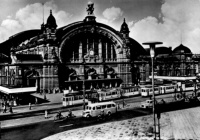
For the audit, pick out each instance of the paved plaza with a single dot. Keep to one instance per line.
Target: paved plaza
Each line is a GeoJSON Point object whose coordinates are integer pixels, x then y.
{"type": "Point", "coordinates": [180, 124]}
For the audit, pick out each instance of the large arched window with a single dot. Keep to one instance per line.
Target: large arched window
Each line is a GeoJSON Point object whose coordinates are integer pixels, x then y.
{"type": "Point", "coordinates": [81, 44]}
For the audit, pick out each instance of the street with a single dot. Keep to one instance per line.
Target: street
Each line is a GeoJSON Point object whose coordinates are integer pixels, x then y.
{"type": "Point", "coordinates": [48, 127]}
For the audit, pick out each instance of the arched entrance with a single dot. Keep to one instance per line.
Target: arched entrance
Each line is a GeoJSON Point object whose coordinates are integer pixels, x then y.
{"type": "Point", "coordinates": [32, 79]}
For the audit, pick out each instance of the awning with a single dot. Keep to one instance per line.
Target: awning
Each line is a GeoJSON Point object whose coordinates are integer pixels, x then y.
{"type": "Point", "coordinates": [18, 90]}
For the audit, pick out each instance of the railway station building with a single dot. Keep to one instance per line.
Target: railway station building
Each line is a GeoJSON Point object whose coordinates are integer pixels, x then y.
{"type": "Point", "coordinates": [53, 59]}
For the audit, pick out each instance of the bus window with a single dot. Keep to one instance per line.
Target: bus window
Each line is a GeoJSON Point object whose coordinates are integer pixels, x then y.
{"type": "Point", "coordinates": [94, 108]}
{"type": "Point", "coordinates": [103, 106]}
{"type": "Point", "coordinates": [113, 105]}
{"type": "Point", "coordinates": [113, 93]}
{"type": "Point", "coordinates": [108, 93]}
{"type": "Point", "coordinates": [98, 107]}
{"type": "Point", "coordinates": [109, 106]}
{"type": "Point", "coordinates": [88, 107]}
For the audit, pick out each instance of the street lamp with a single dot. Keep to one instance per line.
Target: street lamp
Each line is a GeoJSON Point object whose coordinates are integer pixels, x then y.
{"type": "Point", "coordinates": [152, 54]}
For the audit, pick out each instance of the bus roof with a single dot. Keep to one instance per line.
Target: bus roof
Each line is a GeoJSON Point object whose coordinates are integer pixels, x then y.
{"type": "Point", "coordinates": [102, 103]}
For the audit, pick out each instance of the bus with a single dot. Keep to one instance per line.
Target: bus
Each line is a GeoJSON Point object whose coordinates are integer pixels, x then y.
{"type": "Point", "coordinates": [94, 110]}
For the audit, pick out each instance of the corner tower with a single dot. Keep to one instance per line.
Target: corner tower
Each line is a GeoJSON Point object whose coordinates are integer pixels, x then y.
{"type": "Point", "coordinates": [124, 29]}
{"type": "Point", "coordinates": [51, 24]}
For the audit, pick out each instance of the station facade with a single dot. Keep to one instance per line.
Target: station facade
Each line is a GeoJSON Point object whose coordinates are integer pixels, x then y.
{"type": "Point", "coordinates": [85, 52]}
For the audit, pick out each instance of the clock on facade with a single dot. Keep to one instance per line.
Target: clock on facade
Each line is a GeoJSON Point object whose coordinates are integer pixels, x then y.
{"type": "Point", "coordinates": [91, 52]}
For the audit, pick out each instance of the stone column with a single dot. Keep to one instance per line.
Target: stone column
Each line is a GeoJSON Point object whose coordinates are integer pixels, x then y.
{"type": "Point", "coordinates": [87, 46]}
{"type": "Point", "coordinates": [106, 50]}
{"type": "Point", "coordinates": [112, 53]}
{"type": "Point", "coordinates": [147, 72]}
{"type": "Point", "coordinates": [100, 49]}
{"type": "Point", "coordinates": [80, 51]}
{"type": "Point", "coordinates": [45, 78]}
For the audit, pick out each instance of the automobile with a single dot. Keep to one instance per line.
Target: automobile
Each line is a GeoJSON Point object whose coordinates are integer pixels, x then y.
{"type": "Point", "coordinates": [96, 109]}
{"type": "Point", "coordinates": [147, 104]}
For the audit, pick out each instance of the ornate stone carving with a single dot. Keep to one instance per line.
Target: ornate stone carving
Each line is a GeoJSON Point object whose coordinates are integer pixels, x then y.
{"type": "Point", "coordinates": [90, 8]}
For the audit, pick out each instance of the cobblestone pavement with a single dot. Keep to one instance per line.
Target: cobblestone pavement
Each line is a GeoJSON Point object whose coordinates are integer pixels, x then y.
{"type": "Point", "coordinates": [179, 124]}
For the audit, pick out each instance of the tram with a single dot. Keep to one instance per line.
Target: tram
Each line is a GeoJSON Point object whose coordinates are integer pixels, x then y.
{"type": "Point", "coordinates": [71, 97]}
{"type": "Point", "coordinates": [130, 91]}
{"type": "Point", "coordinates": [108, 94]}
{"type": "Point", "coordinates": [163, 89]}
{"type": "Point", "coordinates": [168, 89]}
{"type": "Point", "coordinates": [147, 91]}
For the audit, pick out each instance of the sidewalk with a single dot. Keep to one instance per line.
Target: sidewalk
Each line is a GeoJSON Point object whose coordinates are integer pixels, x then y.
{"type": "Point", "coordinates": [54, 102]}
{"type": "Point", "coordinates": [40, 118]}
{"type": "Point", "coordinates": [34, 119]}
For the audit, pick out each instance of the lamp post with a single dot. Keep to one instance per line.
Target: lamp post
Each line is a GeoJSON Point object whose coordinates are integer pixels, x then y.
{"type": "Point", "coordinates": [152, 54]}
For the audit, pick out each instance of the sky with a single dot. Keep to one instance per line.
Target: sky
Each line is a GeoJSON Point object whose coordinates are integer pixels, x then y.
{"type": "Point", "coordinates": [169, 21]}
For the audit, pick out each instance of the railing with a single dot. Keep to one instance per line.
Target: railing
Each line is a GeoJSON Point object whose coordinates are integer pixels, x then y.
{"type": "Point", "coordinates": [91, 60]}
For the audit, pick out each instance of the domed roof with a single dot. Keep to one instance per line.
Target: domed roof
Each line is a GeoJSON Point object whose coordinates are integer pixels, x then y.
{"type": "Point", "coordinates": [163, 50]}
{"type": "Point", "coordinates": [124, 27]}
{"type": "Point", "coordinates": [135, 48]}
{"type": "Point", "coordinates": [51, 21]}
{"type": "Point", "coordinates": [182, 49]}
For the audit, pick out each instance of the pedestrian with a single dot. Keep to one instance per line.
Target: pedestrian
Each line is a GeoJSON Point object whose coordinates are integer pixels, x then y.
{"type": "Point", "coordinates": [29, 106]}
{"type": "Point", "coordinates": [4, 108]}
{"type": "Point", "coordinates": [123, 103]}
{"type": "Point", "coordinates": [46, 114]}
{"type": "Point", "coordinates": [36, 101]}
{"type": "Point", "coordinates": [11, 111]}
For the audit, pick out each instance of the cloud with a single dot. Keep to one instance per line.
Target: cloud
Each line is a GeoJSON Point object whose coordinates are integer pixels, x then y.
{"type": "Point", "coordinates": [112, 13]}
{"type": "Point", "coordinates": [180, 19]}
{"type": "Point", "coordinates": [31, 17]}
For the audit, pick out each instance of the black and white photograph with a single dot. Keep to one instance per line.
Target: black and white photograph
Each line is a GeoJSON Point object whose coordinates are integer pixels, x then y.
{"type": "Point", "coordinates": [99, 69]}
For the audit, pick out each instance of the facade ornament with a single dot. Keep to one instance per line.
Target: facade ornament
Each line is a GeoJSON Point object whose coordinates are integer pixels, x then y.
{"type": "Point", "coordinates": [91, 55]}
{"type": "Point", "coordinates": [92, 73]}
{"type": "Point", "coordinates": [54, 54]}
{"type": "Point", "coordinates": [90, 8]}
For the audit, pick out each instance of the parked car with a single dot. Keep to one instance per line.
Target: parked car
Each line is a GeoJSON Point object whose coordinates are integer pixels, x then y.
{"type": "Point", "coordinates": [147, 104]}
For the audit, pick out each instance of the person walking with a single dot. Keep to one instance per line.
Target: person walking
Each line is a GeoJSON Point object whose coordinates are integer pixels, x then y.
{"type": "Point", "coordinates": [36, 101]}
{"type": "Point", "coordinates": [11, 111]}
{"type": "Point", "coordinates": [4, 108]}
{"type": "Point", "coordinates": [46, 114]}
{"type": "Point", "coordinates": [29, 106]}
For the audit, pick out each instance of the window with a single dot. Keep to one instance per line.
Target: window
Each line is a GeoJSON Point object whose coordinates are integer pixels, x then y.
{"type": "Point", "coordinates": [94, 108]}
{"type": "Point", "coordinates": [98, 107]}
{"type": "Point", "coordinates": [114, 93]}
{"type": "Point", "coordinates": [81, 97]}
{"type": "Point", "coordinates": [103, 106]}
{"type": "Point", "coordinates": [109, 106]}
{"type": "Point", "coordinates": [75, 97]}
{"type": "Point", "coordinates": [113, 105]}
{"type": "Point", "coordinates": [108, 93]}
